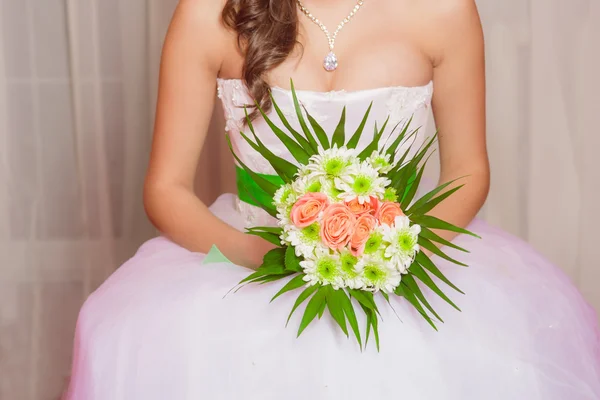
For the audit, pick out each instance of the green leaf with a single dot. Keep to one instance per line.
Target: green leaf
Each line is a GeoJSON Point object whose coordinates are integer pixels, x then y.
{"type": "Point", "coordinates": [339, 135]}
{"type": "Point", "coordinates": [430, 205]}
{"type": "Point", "coordinates": [274, 257]}
{"type": "Point", "coordinates": [319, 131]}
{"type": "Point", "coordinates": [414, 186]}
{"type": "Point", "coordinates": [293, 284]}
{"type": "Point", "coordinates": [292, 261]}
{"type": "Point", "coordinates": [312, 309]}
{"type": "Point", "coordinates": [374, 145]}
{"type": "Point", "coordinates": [299, 112]}
{"type": "Point", "coordinates": [422, 275]}
{"type": "Point", "coordinates": [264, 271]}
{"type": "Point", "coordinates": [272, 278]}
{"type": "Point", "coordinates": [363, 298]}
{"type": "Point", "coordinates": [375, 324]}
{"type": "Point", "coordinates": [322, 309]}
{"type": "Point", "coordinates": [335, 308]}
{"type": "Point", "coordinates": [407, 151]}
{"type": "Point", "coordinates": [310, 145]}
{"type": "Point", "coordinates": [428, 245]}
{"type": "Point", "coordinates": [348, 309]}
{"type": "Point", "coordinates": [404, 290]}
{"type": "Point", "coordinates": [294, 148]}
{"type": "Point", "coordinates": [264, 184]}
{"type": "Point", "coordinates": [409, 280]}
{"type": "Point", "coordinates": [303, 296]}
{"type": "Point", "coordinates": [428, 196]}
{"type": "Point", "coordinates": [353, 142]}
{"type": "Point", "coordinates": [391, 150]}
{"type": "Point", "coordinates": [432, 222]}
{"type": "Point", "coordinates": [269, 237]}
{"type": "Point", "coordinates": [269, 229]}
{"type": "Point", "coordinates": [368, 312]}
{"type": "Point", "coordinates": [432, 236]}
{"type": "Point", "coordinates": [426, 263]}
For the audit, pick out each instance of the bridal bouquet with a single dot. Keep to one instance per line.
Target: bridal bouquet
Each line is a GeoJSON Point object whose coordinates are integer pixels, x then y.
{"type": "Point", "coordinates": [349, 227]}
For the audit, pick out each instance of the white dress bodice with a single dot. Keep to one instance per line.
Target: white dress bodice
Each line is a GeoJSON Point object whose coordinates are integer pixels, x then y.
{"type": "Point", "coordinates": [399, 103]}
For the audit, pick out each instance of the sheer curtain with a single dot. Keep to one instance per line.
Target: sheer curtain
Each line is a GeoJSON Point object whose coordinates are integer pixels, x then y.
{"type": "Point", "coordinates": [77, 89]}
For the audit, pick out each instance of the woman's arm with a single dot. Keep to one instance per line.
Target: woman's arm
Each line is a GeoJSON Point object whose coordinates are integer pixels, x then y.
{"type": "Point", "coordinates": [459, 110]}
{"type": "Point", "coordinates": [191, 61]}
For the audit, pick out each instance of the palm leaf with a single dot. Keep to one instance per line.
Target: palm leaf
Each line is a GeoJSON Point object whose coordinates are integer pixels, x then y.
{"type": "Point", "coordinates": [353, 142]}
{"type": "Point", "coordinates": [308, 143]}
{"type": "Point", "coordinates": [312, 309]}
{"type": "Point", "coordinates": [303, 296]}
{"type": "Point", "coordinates": [299, 112]}
{"type": "Point", "coordinates": [319, 131]}
{"type": "Point", "coordinates": [424, 261]}
{"type": "Point", "coordinates": [335, 308]}
{"type": "Point", "coordinates": [339, 135]}
{"type": "Point", "coordinates": [293, 284]}
{"type": "Point", "coordinates": [422, 275]}
{"type": "Point", "coordinates": [297, 151]}
{"type": "Point", "coordinates": [428, 245]}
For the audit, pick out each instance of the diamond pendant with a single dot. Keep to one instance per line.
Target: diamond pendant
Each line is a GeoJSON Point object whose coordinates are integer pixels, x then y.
{"type": "Point", "coordinates": [330, 63]}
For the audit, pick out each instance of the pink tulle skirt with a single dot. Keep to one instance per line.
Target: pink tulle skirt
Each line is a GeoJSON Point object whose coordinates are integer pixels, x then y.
{"type": "Point", "coordinates": [160, 328]}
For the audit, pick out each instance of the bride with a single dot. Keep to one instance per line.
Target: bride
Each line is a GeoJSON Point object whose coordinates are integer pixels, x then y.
{"type": "Point", "coordinates": [160, 326]}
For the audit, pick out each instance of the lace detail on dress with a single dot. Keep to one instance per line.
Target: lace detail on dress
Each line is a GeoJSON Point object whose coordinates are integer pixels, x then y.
{"type": "Point", "coordinates": [405, 101]}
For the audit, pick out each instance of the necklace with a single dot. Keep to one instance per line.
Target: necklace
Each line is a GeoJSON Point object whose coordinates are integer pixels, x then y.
{"type": "Point", "coordinates": [330, 63]}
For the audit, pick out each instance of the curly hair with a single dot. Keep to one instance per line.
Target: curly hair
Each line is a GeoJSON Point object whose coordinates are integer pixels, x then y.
{"type": "Point", "coordinates": [267, 33]}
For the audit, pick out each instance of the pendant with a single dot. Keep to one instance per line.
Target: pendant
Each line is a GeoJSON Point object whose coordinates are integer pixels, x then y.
{"type": "Point", "coordinates": [330, 63]}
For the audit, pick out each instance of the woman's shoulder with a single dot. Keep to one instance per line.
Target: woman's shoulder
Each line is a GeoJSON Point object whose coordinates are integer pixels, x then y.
{"type": "Point", "coordinates": [197, 27]}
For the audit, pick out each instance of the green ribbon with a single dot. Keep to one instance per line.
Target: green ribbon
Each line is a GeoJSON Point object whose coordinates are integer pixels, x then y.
{"type": "Point", "coordinates": [249, 192]}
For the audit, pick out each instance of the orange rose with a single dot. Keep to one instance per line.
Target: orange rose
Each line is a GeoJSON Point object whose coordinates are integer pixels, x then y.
{"type": "Point", "coordinates": [362, 230]}
{"type": "Point", "coordinates": [307, 208]}
{"type": "Point", "coordinates": [337, 226]}
{"type": "Point", "coordinates": [369, 207]}
{"type": "Point", "coordinates": [388, 211]}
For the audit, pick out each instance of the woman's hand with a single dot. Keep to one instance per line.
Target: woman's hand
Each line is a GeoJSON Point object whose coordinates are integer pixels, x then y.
{"type": "Point", "coordinates": [254, 251]}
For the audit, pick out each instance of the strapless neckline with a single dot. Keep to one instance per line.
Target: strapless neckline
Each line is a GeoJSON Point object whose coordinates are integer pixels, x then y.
{"type": "Point", "coordinates": [341, 92]}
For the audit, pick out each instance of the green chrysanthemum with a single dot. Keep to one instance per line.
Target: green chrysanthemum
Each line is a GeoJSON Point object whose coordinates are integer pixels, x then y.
{"type": "Point", "coordinates": [378, 275]}
{"type": "Point", "coordinates": [323, 268]}
{"type": "Point", "coordinates": [390, 194]}
{"type": "Point", "coordinates": [374, 242]}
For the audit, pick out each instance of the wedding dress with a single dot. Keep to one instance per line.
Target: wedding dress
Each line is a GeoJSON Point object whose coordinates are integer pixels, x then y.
{"type": "Point", "coordinates": [161, 327]}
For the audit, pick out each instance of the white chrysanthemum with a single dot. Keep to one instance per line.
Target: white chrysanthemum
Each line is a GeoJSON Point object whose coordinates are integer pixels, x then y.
{"type": "Point", "coordinates": [351, 274]}
{"type": "Point", "coordinates": [378, 273]}
{"type": "Point", "coordinates": [403, 242]}
{"type": "Point", "coordinates": [362, 182]}
{"type": "Point", "coordinates": [284, 199]}
{"type": "Point", "coordinates": [324, 268]}
{"type": "Point", "coordinates": [307, 184]}
{"type": "Point", "coordinates": [304, 240]}
{"type": "Point", "coordinates": [284, 196]}
{"type": "Point", "coordinates": [333, 162]}
{"type": "Point", "coordinates": [379, 161]}
{"type": "Point", "coordinates": [329, 188]}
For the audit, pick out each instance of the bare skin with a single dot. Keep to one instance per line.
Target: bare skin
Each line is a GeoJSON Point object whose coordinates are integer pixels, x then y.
{"type": "Point", "coordinates": [439, 40]}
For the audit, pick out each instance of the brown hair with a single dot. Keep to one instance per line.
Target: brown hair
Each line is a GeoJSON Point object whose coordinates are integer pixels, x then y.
{"type": "Point", "coordinates": [267, 33]}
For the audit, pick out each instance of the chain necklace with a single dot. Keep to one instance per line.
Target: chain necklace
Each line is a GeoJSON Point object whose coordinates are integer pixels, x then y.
{"type": "Point", "coordinates": [330, 63]}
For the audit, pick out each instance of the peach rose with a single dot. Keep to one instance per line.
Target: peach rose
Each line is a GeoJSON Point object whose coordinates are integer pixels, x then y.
{"type": "Point", "coordinates": [362, 230]}
{"type": "Point", "coordinates": [369, 207]}
{"type": "Point", "coordinates": [337, 226]}
{"type": "Point", "coordinates": [307, 208]}
{"type": "Point", "coordinates": [388, 211]}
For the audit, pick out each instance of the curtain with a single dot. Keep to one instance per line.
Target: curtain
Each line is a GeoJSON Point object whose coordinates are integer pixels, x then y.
{"type": "Point", "coordinates": [78, 81]}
